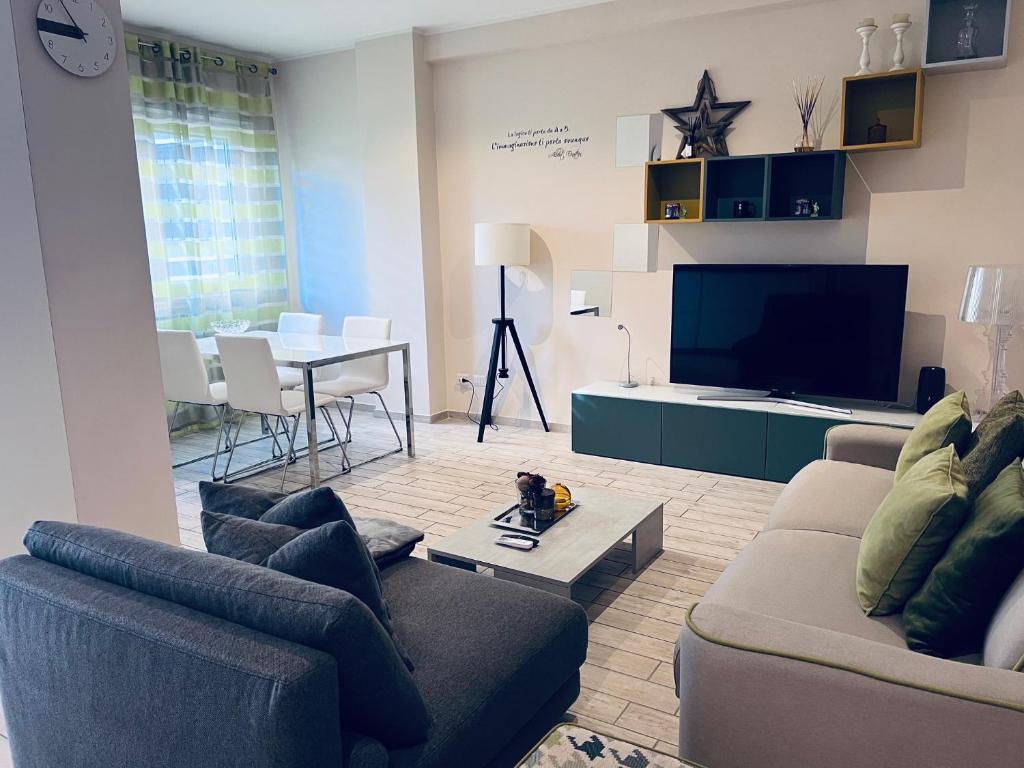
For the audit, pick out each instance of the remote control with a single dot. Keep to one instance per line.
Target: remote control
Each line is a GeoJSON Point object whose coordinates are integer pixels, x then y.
{"type": "Point", "coordinates": [515, 543]}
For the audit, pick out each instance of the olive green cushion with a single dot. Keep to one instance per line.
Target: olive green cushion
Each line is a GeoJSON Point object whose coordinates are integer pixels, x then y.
{"type": "Point", "coordinates": [951, 613]}
{"type": "Point", "coordinates": [948, 422]}
{"type": "Point", "coordinates": [998, 440]}
{"type": "Point", "coordinates": [910, 531]}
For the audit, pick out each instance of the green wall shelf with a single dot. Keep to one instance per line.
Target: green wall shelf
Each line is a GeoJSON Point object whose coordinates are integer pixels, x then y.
{"type": "Point", "coordinates": [770, 185]}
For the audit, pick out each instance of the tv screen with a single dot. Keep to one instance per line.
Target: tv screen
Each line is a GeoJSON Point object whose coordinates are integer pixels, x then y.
{"type": "Point", "coordinates": [826, 330]}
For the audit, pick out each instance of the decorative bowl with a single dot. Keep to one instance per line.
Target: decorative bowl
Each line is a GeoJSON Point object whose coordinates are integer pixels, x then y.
{"type": "Point", "coordinates": [229, 327]}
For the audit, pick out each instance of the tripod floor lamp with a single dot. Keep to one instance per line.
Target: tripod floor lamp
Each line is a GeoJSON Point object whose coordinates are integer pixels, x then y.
{"type": "Point", "coordinates": [503, 245]}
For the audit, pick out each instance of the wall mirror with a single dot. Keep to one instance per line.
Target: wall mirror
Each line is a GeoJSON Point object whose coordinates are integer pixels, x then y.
{"type": "Point", "coordinates": [590, 294]}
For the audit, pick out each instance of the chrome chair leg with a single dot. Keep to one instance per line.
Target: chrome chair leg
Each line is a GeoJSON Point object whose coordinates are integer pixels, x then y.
{"type": "Point", "coordinates": [348, 429]}
{"type": "Point", "coordinates": [231, 453]}
{"type": "Point", "coordinates": [388, 414]}
{"type": "Point", "coordinates": [289, 457]}
{"type": "Point", "coordinates": [337, 438]}
{"type": "Point", "coordinates": [174, 418]}
{"type": "Point", "coordinates": [220, 433]}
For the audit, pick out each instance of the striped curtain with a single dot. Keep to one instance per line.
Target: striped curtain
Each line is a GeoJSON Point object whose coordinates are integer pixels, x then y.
{"type": "Point", "coordinates": [211, 186]}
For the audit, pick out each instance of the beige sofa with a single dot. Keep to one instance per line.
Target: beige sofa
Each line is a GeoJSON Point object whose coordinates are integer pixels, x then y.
{"type": "Point", "coordinates": [778, 666]}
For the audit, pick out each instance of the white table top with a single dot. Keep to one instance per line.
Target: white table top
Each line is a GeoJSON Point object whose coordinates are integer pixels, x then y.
{"type": "Point", "coordinates": [567, 550]}
{"type": "Point", "coordinates": [299, 349]}
{"type": "Point", "coordinates": [896, 416]}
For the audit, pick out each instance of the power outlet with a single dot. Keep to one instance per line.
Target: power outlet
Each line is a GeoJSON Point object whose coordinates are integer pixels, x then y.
{"type": "Point", "coordinates": [465, 379]}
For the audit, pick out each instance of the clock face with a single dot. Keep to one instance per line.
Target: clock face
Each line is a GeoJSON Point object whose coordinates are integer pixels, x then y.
{"type": "Point", "coordinates": [78, 36]}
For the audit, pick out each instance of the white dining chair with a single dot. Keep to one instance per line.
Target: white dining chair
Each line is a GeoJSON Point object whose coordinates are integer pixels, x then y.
{"type": "Point", "coordinates": [304, 323]}
{"type": "Point", "coordinates": [253, 387]}
{"type": "Point", "coordinates": [186, 381]}
{"type": "Point", "coordinates": [365, 376]}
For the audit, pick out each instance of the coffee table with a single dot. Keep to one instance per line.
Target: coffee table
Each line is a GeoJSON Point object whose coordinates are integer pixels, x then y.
{"type": "Point", "coordinates": [567, 550]}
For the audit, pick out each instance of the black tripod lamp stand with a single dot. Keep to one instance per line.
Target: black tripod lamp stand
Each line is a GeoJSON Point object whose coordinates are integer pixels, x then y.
{"type": "Point", "coordinates": [503, 245]}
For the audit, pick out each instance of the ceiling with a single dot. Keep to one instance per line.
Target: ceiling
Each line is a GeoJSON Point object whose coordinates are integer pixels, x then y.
{"type": "Point", "coordinates": [282, 30]}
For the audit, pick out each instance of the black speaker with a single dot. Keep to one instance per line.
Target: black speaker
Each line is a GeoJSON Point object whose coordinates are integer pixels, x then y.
{"type": "Point", "coordinates": [931, 384]}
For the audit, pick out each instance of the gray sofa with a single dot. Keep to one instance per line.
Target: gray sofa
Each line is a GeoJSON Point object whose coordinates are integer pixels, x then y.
{"type": "Point", "coordinates": [118, 651]}
{"type": "Point", "coordinates": [778, 666]}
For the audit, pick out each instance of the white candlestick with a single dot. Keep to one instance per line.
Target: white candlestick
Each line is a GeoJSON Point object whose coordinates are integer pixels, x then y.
{"type": "Point", "coordinates": [865, 32]}
{"type": "Point", "coordinates": [899, 28]}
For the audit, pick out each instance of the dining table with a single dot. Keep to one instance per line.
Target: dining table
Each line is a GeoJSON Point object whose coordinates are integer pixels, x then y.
{"type": "Point", "coordinates": [307, 352]}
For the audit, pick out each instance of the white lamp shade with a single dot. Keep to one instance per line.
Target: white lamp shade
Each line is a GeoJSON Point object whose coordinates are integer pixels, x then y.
{"type": "Point", "coordinates": [502, 245]}
{"type": "Point", "coordinates": [994, 295]}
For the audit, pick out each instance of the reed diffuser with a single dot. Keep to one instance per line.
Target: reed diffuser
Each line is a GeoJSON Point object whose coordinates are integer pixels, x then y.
{"type": "Point", "coordinates": [806, 96]}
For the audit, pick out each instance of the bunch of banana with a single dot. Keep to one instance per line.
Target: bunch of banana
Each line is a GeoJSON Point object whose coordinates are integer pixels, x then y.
{"type": "Point", "coordinates": [563, 497]}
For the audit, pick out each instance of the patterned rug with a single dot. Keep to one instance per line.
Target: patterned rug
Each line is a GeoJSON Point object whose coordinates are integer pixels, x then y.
{"type": "Point", "coordinates": [569, 746]}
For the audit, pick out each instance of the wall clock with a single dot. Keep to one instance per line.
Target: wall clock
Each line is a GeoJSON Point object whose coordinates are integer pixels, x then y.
{"type": "Point", "coordinates": [78, 36]}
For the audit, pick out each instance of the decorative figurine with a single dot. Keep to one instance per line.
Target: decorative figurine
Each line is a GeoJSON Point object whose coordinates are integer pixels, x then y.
{"type": "Point", "coordinates": [877, 132]}
{"type": "Point", "coordinates": [866, 29]}
{"type": "Point", "coordinates": [967, 37]}
{"type": "Point", "coordinates": [900, 25]}
{"type": "Point", "coordinates": [815, 209]}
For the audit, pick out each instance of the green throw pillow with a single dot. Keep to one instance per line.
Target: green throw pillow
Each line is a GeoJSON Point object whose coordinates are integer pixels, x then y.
{"type": "Point", "coordinates": [910, 531]}
{"type": "Point", "coordinates": [951, 613]}
{"type": "Point", "coordinates": [947, 422]}
{"type": "Point", "coordinates": [998, 440]}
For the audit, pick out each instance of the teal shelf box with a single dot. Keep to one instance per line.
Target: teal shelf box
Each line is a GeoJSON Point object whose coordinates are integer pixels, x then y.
{"type": "Point", "coordinates": [732, 181]}
{"type": "Point", "coordinates": [729, 441]}
{"type": "Point", "coordinates": [617, 428]}
{"type": "Point", "coordinates": [819, 177]}
{"type": "Point", "coordinates": [793, 443]}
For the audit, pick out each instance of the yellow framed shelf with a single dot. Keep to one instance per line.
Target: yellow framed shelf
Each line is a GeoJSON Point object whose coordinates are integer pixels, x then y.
{"type": "Point", "coordinates": [674, 181]}
{"type": "Point", "coordinates": [893, 100]}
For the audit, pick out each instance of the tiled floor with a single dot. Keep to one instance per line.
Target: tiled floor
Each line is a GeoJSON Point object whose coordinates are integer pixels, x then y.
{"type": "Point", "coordinates": [635, 619]}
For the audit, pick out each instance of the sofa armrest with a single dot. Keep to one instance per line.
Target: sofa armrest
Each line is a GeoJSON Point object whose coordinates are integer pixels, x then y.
{"type": "Point", "coordinates": [803, 695]}
{"type": "Point", "coordinates": [872, 444]}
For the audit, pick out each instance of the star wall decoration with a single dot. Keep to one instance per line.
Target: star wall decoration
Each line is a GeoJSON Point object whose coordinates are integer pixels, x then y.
{"type": "Point", "coordinates": [704, 125]}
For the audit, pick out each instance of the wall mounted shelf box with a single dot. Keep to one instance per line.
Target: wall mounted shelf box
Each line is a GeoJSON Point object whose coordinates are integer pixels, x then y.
{"type": "Point", "coordinates": [943, 21]}
{"type": "Point", "coordinates": [635, 248]}
{"type": "Point", "coordinates": [674, 181]}
{"type": "Point", "coordinates": [638, 139]}
{"type": "Point", "coordinates": [894, 98]}
{"type": "Point", "coordinates": [816, 176]}
{"type": "Point", "coordinates": [770, 185]}
{"type": "Point", "coordinates": [729, 180]}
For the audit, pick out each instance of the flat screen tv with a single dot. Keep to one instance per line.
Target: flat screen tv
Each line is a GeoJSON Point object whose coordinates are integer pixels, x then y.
{"type": "Point", "coordinates": [792, 329]}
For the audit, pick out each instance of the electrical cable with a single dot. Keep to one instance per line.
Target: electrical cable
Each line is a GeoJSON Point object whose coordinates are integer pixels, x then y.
{"type": "Point", "coordinates": [472, 396]}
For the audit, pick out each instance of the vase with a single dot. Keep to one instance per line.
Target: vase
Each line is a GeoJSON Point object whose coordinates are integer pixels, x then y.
{"type": "Point", "coordinates": [804, 143]}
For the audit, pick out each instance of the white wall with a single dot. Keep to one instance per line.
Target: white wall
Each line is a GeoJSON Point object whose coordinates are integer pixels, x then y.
{"type": "Point", "coordinates": [316, 113]}
{"type": "Point", "coordinates": [35, 470]}
{"type": "Point", "coordinates": [938, 208]}
{"type": "Point", "coordinates": [91, 237]}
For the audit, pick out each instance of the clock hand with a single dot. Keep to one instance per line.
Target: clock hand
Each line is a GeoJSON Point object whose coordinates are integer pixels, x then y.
{"type": "Point", "coordinates": [81, 32]}
{"type": "Point", "coordinates": [56, 28]}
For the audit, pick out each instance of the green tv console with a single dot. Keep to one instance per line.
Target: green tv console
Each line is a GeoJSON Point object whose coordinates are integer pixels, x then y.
{"type": "Point", "coordinates": [668, 425]}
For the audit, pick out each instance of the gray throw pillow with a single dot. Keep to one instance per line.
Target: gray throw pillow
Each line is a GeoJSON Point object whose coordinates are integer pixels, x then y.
{"type": "Point", "coordinates": [239, 538]}
{"type": "Point", "coordinates": [238, 500]}
{"type": "Point", "coordinates": [336, 556]}
{"type": "Point", "coordinates": [309, 509]}
{"type": "Point", "coordinates": [305, 509]}
{"type": "Point", "coordinates": [998, 440]}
